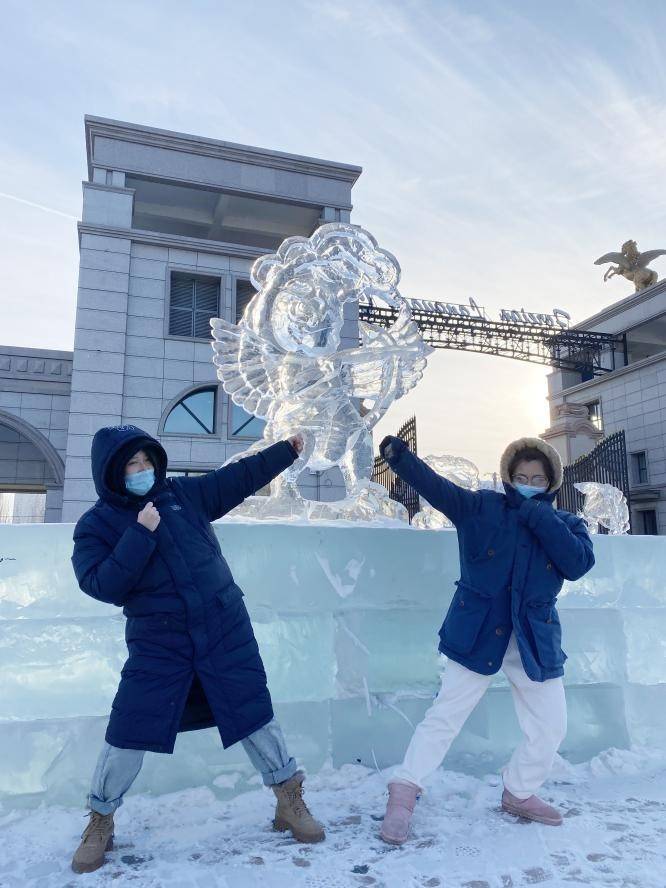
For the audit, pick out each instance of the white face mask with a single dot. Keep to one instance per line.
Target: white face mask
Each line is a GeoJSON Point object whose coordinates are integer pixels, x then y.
{"type": "Point", "coordinates": [139, 483]}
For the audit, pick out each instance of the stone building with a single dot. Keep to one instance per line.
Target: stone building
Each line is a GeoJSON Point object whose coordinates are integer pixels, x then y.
{"type": "Point", "coordinates": [170, 227]}
{"type": "Point", "coordinates": [632, 397]}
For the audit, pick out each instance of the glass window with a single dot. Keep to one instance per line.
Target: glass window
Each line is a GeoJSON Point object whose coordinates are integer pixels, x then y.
{"type": "Point", "coordinates": [243, 424]}
{"type": "Point", "coordinates": [194, 415]}
{"type": "Point", "coordinates": [639, 467]}
{"type": "Point", "coordinates": [646, 340]}
{"type": "Point", "coordinates": [193, 302]}
{"type": "Point", "coordinates": [594, 413]}
{"type": "Point", "coordinates": [244, 293]}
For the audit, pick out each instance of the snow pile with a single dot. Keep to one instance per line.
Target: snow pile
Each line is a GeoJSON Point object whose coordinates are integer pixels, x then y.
{"type": "Point", "coordinates": [614, 834]}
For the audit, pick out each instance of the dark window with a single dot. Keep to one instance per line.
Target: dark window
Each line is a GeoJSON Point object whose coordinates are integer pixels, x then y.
{"type": "Point", "coordinates": [194, 415]}
{"type": "Point", "coordinates": [648, 522]}
{"type": "Point", "coordinates": [594, 412]}
{"type": "Point", "coordinates": [647, 339]}
{"type": "Point", "coordinates": [244, 293]}
{"type": "Point", "coordinates": [194, 301]}
{"type": "Point", "coordinates": [639, 467]}
{"type": "Point", "coordinates": [243, 424]}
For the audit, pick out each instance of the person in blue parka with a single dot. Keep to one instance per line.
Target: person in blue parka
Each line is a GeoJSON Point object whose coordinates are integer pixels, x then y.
{"type": "Point", "coordinates": [515, 552]}
{"type": "Point", "coordinates": [147, 545]}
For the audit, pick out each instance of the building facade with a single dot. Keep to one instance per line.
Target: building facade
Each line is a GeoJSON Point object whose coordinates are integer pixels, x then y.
{"type": "Point", "coordinates": [631, 398]}
{"type": "Point", "coordinates": [170, 227]}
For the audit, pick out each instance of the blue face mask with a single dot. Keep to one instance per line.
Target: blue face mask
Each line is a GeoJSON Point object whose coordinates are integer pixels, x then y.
{"type": "Point", "coordinates": [140, 483]}
{"type": "Point", "coordinates": [528, 491]}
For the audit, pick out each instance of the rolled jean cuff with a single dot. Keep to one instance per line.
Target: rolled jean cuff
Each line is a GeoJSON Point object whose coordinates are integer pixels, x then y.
{"type": "Point", "coordinates": [271, 778]}
{"type": "Point", "coordinates": [103, 807]}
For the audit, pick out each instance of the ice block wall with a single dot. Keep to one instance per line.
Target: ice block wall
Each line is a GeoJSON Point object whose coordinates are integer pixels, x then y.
{"type": "Point", "coordinates": [347, 620]}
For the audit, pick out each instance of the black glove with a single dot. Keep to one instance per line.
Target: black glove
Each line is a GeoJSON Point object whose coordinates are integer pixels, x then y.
{"type": "Point", "coordinates": [391, 448]}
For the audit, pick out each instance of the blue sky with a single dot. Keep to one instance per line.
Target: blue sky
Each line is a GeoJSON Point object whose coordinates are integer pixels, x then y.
{"type": "Point", "coordinates": [505, 146]}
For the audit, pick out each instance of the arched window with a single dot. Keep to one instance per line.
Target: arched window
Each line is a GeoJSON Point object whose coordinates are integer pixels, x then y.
{"type": "Point", "coordinates": [243, 424]}
{"type": "Point", "coordinates": [193, 415]}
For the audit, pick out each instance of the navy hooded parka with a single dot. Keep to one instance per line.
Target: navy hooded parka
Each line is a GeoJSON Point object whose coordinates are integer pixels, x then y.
{"type": "Point", "coordinates": [193, 658]}
{"type": "Point", "coordinates": [515, 554]}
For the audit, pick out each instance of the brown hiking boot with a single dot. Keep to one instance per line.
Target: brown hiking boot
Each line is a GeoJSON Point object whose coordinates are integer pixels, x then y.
{"type": "Point", "coordinates": [96, 840]}
{"type": "Point", "coordinates": [292, 813]}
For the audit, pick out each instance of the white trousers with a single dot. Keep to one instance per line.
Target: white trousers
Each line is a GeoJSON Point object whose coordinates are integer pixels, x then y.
{"type": "Point", "coordinates": [542, 715]}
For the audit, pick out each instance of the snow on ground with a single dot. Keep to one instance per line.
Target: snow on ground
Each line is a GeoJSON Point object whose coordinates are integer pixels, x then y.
{"type": "Point", "coordinates": [614, 834]}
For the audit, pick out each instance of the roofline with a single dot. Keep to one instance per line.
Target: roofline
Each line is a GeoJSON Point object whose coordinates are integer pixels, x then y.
{"type": "Point", "coordinates": [148, 135]}
{"type": "Point", "coordinates": [621, 305]}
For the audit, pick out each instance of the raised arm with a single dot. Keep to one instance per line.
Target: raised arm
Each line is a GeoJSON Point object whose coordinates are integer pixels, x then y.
{"type": "Point", "coordinates": [564, 539]}
{"type": "Point", "coordinates": [453, 501]}
{"type": "Point", "coordinates": [110, 573]}
{"type": "Point", "coordinates": [221, 490]}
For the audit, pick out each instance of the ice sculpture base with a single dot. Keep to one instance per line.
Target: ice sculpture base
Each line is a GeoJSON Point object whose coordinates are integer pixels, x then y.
{"type": "Point", "coordinates": [373, 504]}
{"type": "Point", "coordinates": [346, 617]}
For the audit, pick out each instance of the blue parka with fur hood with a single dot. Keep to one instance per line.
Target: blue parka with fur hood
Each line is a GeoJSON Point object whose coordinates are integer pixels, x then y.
{"type": "Point", "coordinates": [193, 658]}
{"type": "Point", "coordinates": [515, 554]}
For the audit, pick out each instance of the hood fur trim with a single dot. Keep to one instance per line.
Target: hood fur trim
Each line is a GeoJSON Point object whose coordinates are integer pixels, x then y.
{"type": "Point", "coordinates": [549, 452]}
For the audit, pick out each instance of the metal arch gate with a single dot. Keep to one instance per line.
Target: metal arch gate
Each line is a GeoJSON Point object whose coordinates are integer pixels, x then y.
{"type": "Point", "coordinates": [398, 489]}
{"type": "Point", "coordinates": [605, 464]}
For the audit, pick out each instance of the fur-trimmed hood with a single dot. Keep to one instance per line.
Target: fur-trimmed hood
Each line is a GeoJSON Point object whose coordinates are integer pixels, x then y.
{"type": "Point", "coordinates": [549, 452]}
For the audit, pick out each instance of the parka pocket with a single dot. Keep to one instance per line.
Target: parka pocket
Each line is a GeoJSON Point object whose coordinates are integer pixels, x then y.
{"type": "Point", "coordinates": [544, 622]}
{"type": "Point", "coordinates": [231, 594]}
{"type": "Point", "coordinates": [468, 612]}
{"type": "Point", "coordinates": [151, 628]}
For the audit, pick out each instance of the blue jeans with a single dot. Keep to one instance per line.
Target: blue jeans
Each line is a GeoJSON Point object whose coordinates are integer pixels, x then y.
{"type": "Point", "coordinates": [117, 769]}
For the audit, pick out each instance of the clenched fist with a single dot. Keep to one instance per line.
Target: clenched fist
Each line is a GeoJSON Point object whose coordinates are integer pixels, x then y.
{"type": "Point", "coordinates": [149, 516]}
{"type": "Point", "coordinates": [296, 442]}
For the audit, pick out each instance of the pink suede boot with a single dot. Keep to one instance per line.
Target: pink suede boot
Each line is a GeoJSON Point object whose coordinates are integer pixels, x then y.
{"type": "Point", "coordinates": [531, 809]}
{"type": "Point", "coordinates": [399, 810]}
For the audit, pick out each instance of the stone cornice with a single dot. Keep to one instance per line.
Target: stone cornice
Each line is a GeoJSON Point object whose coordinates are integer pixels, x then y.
{"type": "Point", "coordinates": [48, 354]}
{"type": "Point", "coordinates": [46, 367]}
{"type": "Point", "coordinates": [184, 142]}
{"type": "Point", "coordinates": [157, 238]}
{"type": "Point", "coordinates": [628, 302]}
{"type": "Point", "coordinates": [613, 374]}
{"type": "Point", "coordinates": [101, 186]}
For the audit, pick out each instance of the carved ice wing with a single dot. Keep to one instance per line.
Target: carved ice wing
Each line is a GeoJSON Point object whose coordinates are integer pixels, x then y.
{"type": "Point", "coordinates": [248, 366]}
{"type": "Point", "coordinates": [619, 258]}
{"type": "Point", "coordinates": [645, 258]}
{"type": "Point", "coordinates": [401, 357]}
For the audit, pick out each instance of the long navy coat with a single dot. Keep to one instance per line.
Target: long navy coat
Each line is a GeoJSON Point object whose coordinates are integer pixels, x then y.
{"type": "Point", "coordinates": [193, 658]}
{"type": "Point", "coordinates": [514, 556]}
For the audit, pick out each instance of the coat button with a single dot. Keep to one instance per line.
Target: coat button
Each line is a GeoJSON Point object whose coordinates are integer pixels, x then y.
{"type": "Point", "coordinates": [499, 631]}
{"type": "Point", "coordinates": [490, 662]}
{"type": "Point", "coordinates": [462, 604]}
{"type": "Point", "coordinates": [491, 552]}
{"type": "Point", "coordinates": [549, 566]}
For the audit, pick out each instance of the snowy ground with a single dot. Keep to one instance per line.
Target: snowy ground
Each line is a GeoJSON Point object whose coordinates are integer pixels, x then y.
{"type": "Point", "coordinates": [614, 833]}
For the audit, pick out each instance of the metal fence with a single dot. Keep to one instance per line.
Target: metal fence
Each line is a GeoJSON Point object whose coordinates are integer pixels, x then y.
{"type": "Point", "coordinates": [398, 489]}
{"type": "Point", "coordinates": [606, 464]}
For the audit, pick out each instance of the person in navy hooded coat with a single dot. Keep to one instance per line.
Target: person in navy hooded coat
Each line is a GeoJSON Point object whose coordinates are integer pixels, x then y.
{"type": "Point", "coordinates": [147, 546]}
{"type": "Point", "coordinates": [515, 552]}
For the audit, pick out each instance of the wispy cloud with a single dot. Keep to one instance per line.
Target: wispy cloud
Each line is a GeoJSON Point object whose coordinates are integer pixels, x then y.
{"type": "Point", "coordinates": [505, 145]}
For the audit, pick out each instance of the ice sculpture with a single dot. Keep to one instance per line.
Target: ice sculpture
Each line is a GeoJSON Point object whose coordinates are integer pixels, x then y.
{"type": "Point", "coordinates": [605, 505]}
{"type": "Point", "coordinates": [283, 363]}
{"type": "Point", "coordinates": [346, 618]}
{"type": "Point", "coordinates": [462, 472]}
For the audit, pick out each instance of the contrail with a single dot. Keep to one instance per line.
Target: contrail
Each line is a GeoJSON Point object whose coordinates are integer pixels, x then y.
{"type": "Point", "coordinates": [30, 203]}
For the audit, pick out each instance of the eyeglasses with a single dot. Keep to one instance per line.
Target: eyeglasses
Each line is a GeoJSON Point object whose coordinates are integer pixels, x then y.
{"type": "Point", "coordinates": [536, 480]}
